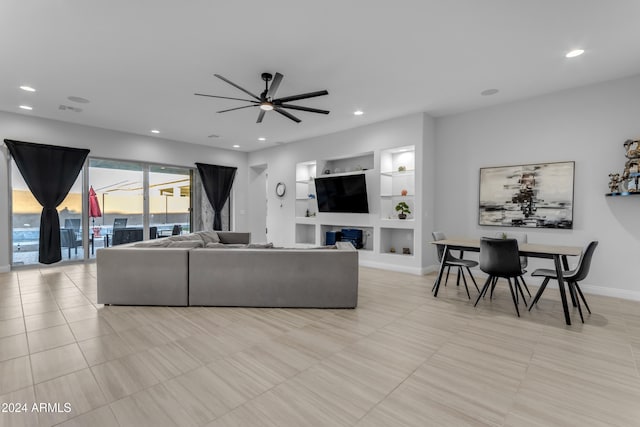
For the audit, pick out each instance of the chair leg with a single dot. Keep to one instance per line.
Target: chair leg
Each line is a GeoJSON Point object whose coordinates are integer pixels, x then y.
{"type": "Point", "coordinates": [458, 278]}
{"type": "Point", "coordinates": [513, 297]}
{"type": "Point", "coordinates": [447, 278]}
{"type": "Point", "coordinates": [582, 296]}
{"type": "Point", "coordinates": [525, 285]}
{"type": "Point", "coordinates": [474, 280]}
{"type": "Point", "coordinates": [573, 289]}
{"type": "Point", "coordinates": [484, 290]}
{"type": "Point", "coordinates": [493, 286]}
{"type": "Point", "coordinates": [539, 294]}
{"type": "Point", "coordinates": [517, 283]}
{"type": "Point", "coordinates": [465, 282]}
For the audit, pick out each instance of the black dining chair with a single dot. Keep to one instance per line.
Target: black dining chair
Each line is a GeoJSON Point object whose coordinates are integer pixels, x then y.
{"type": "Point", "coordinates": [524, 260]}
{"type": "Point", "coordinates": [499, 258]}
{"type": "Point", "coordinates": [119, 223]}
{"type": "Point", "coordinates": [452, 261]}
{"type": "Point", "coordinates": [572, 277]}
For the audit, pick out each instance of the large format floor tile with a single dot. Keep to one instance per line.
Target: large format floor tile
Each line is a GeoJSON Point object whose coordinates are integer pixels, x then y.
{"type": "Point", "coordinates": [401, 358]}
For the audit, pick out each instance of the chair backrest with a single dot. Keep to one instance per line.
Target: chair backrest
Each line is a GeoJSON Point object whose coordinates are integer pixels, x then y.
{"type": "Point", "coordinates": [439, 235]}
{"type": "Point", "coordinates": [67, 238]}
{"type": "Point", "coordinates": [499, 257]}
{"type": "Point", "coordinates": [126, 235]}
{"type": "Point", "coordinates": [177, 230]}
{"type": "Point", "coordinates": [153, 232]}
{"type": "Point", "coordinates": [521, 238]}
{"type": "Point", "coordinates": [73, 223]}
{"type": "Point", "coordinates": [119, 223]}
{"type": "Point", "coordinates": [582, 270]}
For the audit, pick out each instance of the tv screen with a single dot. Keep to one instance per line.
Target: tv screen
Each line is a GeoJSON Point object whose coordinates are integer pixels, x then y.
{"type": "Point", "coordinates": [345, 194]}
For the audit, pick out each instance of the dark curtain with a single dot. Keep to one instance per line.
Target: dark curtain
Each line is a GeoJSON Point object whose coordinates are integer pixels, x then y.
{"type": "Point", "coordinates": [217, 182]}
{"type": "Point", "coordinates": [49, 172]}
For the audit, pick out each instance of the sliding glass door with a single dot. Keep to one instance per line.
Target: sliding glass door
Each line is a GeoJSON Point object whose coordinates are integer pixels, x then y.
{"type": "Point", "coordinates": [169, 200]}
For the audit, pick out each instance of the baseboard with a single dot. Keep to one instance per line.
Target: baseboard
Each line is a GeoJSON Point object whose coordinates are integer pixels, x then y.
{"type": "Point", "coordinates": [587, 289]}
{"type": "Point", "coordinates": [5, 268]}
{"type": "Point", "coordinates": [393, 267]}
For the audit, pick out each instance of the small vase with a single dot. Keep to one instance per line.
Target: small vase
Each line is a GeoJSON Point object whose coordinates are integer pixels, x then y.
{"type": "Point", "coordinates": [402, 216]}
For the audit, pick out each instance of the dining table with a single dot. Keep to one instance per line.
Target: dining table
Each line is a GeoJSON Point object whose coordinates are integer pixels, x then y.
{"type": "Point", "coordinates": [557, 253]}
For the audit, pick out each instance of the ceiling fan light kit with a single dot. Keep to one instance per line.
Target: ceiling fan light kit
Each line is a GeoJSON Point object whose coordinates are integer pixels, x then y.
{"type": "Point", "coordinates": [266, 100]}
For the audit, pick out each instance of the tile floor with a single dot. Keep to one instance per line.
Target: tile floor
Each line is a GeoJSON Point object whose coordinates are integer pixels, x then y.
{"type": "Point", "coordinates": [402, 358]}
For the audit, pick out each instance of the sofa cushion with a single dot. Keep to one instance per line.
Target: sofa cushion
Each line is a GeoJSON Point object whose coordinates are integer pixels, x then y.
{"type": "Point", "coordinates": [208, 236]}
{"type": "Point", "coordinates": [226, 246]}
{"type": "Point", "coordinates": [260, 245]}
{"type": "Point", "coordinates": [187, 244]}
{"type": "Point", "coordinates": [234, 237]}
{"type": "Point", "coordinates": [158, 243]}
{"type": "Point", "coordinates": [185, 237]}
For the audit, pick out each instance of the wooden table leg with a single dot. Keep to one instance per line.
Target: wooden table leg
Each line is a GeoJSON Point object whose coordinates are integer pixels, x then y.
{"type": "Point", "coordinates": [563, 296]}
{"type": "Point", "coordinates": [436, 286]}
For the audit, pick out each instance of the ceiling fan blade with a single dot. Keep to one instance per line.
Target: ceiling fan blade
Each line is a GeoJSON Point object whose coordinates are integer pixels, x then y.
{"type": "Point", "coordinates": [297, 107]}
{"type": "Point", "coordinates": [301, 96]}
{"type": "Point", "coordinates": [287, 115]}
{"type": "Point", "coordinates": [225, 97]}
{"type": "Point", "coordinates": [236, 86]}
{"type": "Point", "coordinates": [274, 85]}
{"type": "Point", "coordinates": [237, 108]}
{"type": "Point", "coordinates": [260, 116]}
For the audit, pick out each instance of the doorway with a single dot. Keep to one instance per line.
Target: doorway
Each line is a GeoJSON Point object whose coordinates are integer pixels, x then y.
{"type": "Point", "coordinates": [258, 177]}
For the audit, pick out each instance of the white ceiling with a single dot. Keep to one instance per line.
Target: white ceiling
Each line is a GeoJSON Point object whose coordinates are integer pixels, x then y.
{"type": "Point", "coordinates": [139, 62]}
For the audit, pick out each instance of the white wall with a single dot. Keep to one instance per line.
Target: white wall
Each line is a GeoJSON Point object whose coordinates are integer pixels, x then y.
{"type": "Point", "coordinates": [281, 161]}
{"type": "Point", "coordinates": [587, 125]}
{"type": "Point", "coordinates": [114, 145]}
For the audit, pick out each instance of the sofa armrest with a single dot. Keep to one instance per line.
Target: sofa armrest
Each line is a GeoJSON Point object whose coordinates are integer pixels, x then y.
{"type": "Point", "coordinates": [143, 276]}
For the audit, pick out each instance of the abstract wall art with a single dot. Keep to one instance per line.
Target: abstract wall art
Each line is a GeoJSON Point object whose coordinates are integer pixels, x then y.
{"type": "Point", "coordinates": [536, 195]}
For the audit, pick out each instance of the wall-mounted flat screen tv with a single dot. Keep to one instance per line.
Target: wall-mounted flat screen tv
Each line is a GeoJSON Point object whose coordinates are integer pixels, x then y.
{"type": "Point", "coordinates": [344, 194]}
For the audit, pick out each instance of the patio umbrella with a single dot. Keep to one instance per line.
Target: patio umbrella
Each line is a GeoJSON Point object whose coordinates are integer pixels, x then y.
{"type": "Point", "coordinates": [94, 206]}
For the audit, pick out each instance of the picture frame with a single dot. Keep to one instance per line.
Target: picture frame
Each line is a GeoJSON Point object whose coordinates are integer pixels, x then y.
{"type": "Point", "coordinates": [538, 195]}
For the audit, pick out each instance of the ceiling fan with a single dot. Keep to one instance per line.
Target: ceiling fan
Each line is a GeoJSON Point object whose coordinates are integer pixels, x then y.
{"type": "Point", "coordinates": [266, 100]}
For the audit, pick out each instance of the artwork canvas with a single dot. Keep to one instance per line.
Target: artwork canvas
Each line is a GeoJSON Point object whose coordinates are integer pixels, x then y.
{"type": "Point", "coordinates": [537, 195]}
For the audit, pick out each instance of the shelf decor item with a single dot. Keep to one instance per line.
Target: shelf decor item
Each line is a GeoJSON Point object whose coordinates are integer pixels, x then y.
{"type": "Point", "coordinates": [402, 168]}
{"type": "Point", "coordinates": [534, 195]}
{"type": "Point", "coordinates": [403, 192]}
{"type": "Point", "coordinates": [403, 209]}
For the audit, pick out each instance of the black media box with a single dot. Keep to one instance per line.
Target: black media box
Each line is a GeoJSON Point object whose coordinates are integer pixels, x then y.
{"type": "Point", "coordinates": [333, 237]}
{"type": "Point", "coordinates": [353, 235]}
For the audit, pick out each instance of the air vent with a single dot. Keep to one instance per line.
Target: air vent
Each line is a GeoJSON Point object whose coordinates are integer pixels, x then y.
{"type": "Point", "coordinates": [70, 108]}
{"type": "Point", "coordinates": [213, 135]}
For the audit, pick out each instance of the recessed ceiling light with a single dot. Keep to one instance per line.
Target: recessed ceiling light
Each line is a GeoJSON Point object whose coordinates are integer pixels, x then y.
{"type": "Point", "coordinates": [26, 107]}
{"type": "Point", "coordinates": [574, 53]}
{"type": "Point", "coordinates": [78, 99]}
{"type": "Point", "coordinates": [27, 88]}
{"type": "Point", "coordinates": [489, 92]}
{"type": "Point", "coordinates": [358, 113]}
{"type": "Point", "coordinates": [236, 146]}
{"type": "Point", "coordinates": [155, 131]}
{"type": "Point", "coordinates": [262, 138]}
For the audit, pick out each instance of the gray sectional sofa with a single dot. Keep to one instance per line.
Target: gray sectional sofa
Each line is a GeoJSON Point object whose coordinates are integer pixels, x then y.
{"type": "Point", "coordinates": [224, 269]}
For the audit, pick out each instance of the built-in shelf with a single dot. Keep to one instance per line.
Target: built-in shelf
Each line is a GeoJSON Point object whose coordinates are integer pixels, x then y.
{"type": "Point", "coordinates": [626, 193]}
{"type": "Point", "coordinates": [398, 173]}
{"type": "Point", "coordinates": [396, 196]}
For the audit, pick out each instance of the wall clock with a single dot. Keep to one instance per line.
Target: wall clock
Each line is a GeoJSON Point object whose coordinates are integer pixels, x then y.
{"type": "Point", "coordinates": [281, 189]}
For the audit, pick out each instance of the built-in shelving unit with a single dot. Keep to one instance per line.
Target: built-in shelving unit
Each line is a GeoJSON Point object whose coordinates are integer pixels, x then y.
{"type": "Point", "coordinates": [388, 241]}
{"type": "Point", "coordinates": [397, 184]}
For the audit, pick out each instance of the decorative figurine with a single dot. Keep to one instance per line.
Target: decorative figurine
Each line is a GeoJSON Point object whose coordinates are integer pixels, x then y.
{"type": "Point", "coordinates": [392, 250]}
{"type": "Point", "coordinates": [406, 251]}
{"type": "Point", "coordinates": [614, 182]}
{"type": "Point", "coordinates": [403, 192]}
{"type": "Point", "coordinates": [402, 168]}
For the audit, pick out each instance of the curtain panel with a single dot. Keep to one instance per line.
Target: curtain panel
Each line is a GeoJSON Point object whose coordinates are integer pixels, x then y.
{"type": "Point", "coordinates": [49, 172]}
{"type": "Point", "coordinates": [217, 182]}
